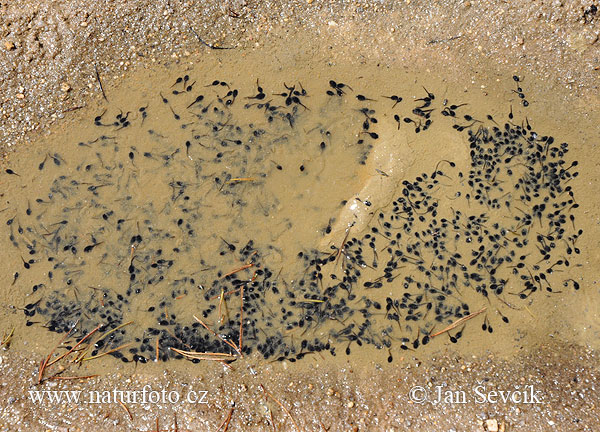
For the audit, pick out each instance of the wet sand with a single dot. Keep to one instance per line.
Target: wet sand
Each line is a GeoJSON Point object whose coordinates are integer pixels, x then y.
{"type": "Point", "coordinates": [338, 400]}
{"type": "Point", "coordinates": [564, 373]}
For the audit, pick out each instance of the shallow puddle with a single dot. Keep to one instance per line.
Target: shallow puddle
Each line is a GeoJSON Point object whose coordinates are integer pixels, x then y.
{"type": "Point", "coordinates": [205, 213]}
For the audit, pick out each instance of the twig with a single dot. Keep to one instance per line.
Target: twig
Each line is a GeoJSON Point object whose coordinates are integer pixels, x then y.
{"type": "Point", "coordinates": [231, 344]}
{"type": "Point", "coordinates": [74, 347]}
{"type": "Point", "coordinates": [339, 252]}
{"type": "Point", "coordinates": [203, 355]}
{"type": "Point", "coordinates": [281, 405]}
{"type": "Point", "coordinates": [113, 330]}
{"type": "Point", "coordinates": [223, 294]}
{"type": "Point", "coordinates": [221, 301]}
{"type": "Point", "coordinates": [244, 267]}
{"type": "Point", "coordinates": [6, 338]}
{"type": "Point", "coordinates": [241, 179]}
{"type": "Point", "coordinates": [100, 82]}
{"type": "Point", "coordinates": [211, 46]}
{"type": "Point", "coordinates": [73, 377]}
{"type": "Point", "coordinates": [157, 351]}
{"type": "Point", "coordinates": [75, 108]}
{"type": "Point", "coordinates": [272, 420]}
{"type": "Point", "coordinates": [80, 358]}
{"type": "Point", "coordinates": [434, 41]}
{"type": "Point", "coordinates": [107, 352]}
{"type": "Point", "coordinates": [44, 363]}
{"type": "Point", "coordinates": [227, 365]}
{"type": "Point", "coordinates": [241, 317]}
{"type": "Point", "coordinates": [459, 322]}
{"type": "Point", "coordinates": [126, 410]}
{"type": "Point", "coordinates": [226, 421]}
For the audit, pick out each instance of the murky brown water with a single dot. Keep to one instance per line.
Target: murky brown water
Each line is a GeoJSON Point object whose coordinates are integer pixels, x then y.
{"type": "Point", "coordinates": [354, 213]}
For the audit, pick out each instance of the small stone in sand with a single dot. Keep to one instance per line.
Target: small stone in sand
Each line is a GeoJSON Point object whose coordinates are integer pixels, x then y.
{"type": "Point", "coordinates": [491, 425]}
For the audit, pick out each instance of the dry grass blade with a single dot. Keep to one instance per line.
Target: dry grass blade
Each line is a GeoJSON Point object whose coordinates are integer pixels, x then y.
{"type": "Point", "coordinates": [223, 294]}
{"type": "Point", "coordinates": [73, 377]}
{"type": "Point", "coordinates": [74, 347]}
{"type": "Point", "coordinates": [7, 337]}
{"type": "Point", "coordinates": [231, 344]}
{"type": "Point", "coordinates": [459, 322]}
{"type": "Point", "coordinates": [244, 267]}
{"type": "Point", "coordinates": [107, 352]}
{"type": "Point", "coordinates": [241, 179]}
{"type": "Point", "coordinates": [108, 333]}
{"type": "Point", "coordinates": [204, 355]}
{"type": "Point", "coordinates": [272, 420]}
{"type": "Point", "coordinates": [341, 249]}
{"type": "Point", "coordinates": [241, 318]}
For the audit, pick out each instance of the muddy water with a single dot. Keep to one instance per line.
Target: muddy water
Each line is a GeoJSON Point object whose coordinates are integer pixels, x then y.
{"type": "Point", "coordinates": [358, 216]}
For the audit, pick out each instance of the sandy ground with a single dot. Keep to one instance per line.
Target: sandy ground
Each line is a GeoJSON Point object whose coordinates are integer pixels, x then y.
{"type": "Point", "coordinates": [50, 52]}
{"type": "Point", "coordinates": [51, 49]}
{"type": "Point", "coordinates": [566, 378]}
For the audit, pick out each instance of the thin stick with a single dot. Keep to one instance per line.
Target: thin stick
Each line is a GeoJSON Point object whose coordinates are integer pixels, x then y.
{"type": "Point", "coordinates": [175, 337]}
{"type": "Point", "coordinates": [529, 310]}
{"type": "Point", "coordinates": [41, 370]}
{"type": "Point", "coordinates": [224, 294]}
{"type": "Point", "coordinates": [241, 179]}
{"type": "Point", "coordinates": [221, 299]}
{"type": "Point", "coordinates": [100, 82]}
{"type": "Point", "coordinates": [281, 405]}
{"type": "Point", "coordinates": [81, 354]}
{"type": "Point", "coordinates": [72, 377]}
{"type": "Point", "coordinates": [339, 252]}
{"type": "Point", "coordinates": [44, 363]}
{"type": "Point", "coordinates": [126, 409]}
{"type": "Point", "coordinates": [244, 267]}
{"type": "Point", "coordinates": [226, 421]}
{"type": "Point", "coordinates": [156, 359]}
{"type": "Point", "coordinates": [272, 420]}
{"type": "Point", "coordinates": [107, 352]}
{"type": "Point", "coordinates": [241, 318]}
{"type": "Point", "coordinates": [227, 365]}
{"type": "Point", "coordinates": [75, 347]}
{"type": "Point", "coordinates": [113, 330]}
{"type": "Point", "coordinates": [202, 355]}
{"type": "Point", "coordinates": [459, 322]}
{"type": "Point", "coordinates": [75, 108]}
{"type": "Point", "coordinates": [211, 46]}
{"type": "Point", "coordinates": [231, 344]}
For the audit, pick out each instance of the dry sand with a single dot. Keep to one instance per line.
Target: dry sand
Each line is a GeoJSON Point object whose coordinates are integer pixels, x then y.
{"type": "Point", "coordinates": [50, 49]}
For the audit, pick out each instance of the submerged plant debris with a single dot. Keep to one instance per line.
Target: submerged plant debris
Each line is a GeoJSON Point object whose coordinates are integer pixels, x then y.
{"type": "Point", "coordinates": [189, 226]}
